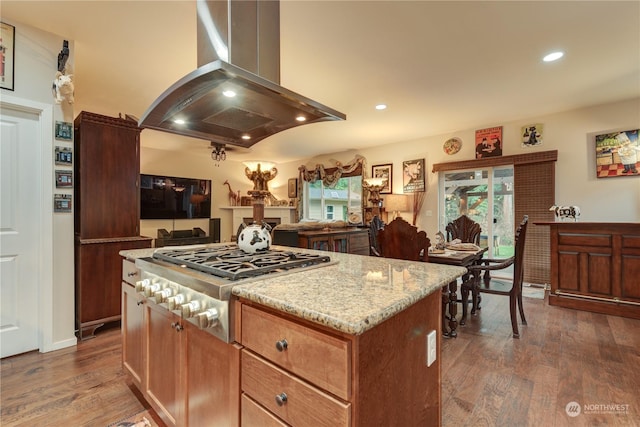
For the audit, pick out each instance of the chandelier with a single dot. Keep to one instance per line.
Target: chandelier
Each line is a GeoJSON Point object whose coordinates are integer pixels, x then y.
{"type": "Point", "coordinates": [218, 153]}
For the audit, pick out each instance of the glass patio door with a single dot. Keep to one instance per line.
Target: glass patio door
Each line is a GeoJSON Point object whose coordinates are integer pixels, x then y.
{"type": "Point", "coordinates": [486, 196]}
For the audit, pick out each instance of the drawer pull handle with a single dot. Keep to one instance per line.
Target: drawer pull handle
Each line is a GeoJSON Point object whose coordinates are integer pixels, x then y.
{"type": "Point", "coordinates": [140, 302]}
{"type": "Point", "coordinates": [281, 399]}
{"type": "Point", "coordinates": [282, 345]}
{"type": "Point", "coordinates": [132, 273]}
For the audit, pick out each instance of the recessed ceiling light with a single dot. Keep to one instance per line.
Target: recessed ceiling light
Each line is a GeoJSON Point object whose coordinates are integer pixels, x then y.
{"type": "Point", "coordinates": [381, 107]}
{"type": "Point", "coordinates": [229, 93]}
{"type": "Point", "coordinates": [246, 137]}
{"type": "Point", "coordinates": [178, 121]}
{"type": "Point", "coordinates": [301, 118]}
{"type": "Point", "coordinates": [553, 56]}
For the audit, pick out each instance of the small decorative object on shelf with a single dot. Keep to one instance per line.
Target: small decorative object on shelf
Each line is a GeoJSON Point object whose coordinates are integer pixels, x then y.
{"type": "Point", "coordinates": [439, 247]}
{"type": "Point", "coordinates": [566, 212]}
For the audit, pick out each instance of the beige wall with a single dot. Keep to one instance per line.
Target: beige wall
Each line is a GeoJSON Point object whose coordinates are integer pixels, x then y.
{"type": "Point", "coordinates": [571, 133]}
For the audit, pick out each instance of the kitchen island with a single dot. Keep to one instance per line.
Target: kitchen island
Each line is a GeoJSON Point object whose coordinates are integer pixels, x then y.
{"type": "Point", "coordinates": [343, 343]}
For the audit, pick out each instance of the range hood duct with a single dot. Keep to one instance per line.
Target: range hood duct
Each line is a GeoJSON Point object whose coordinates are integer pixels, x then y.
{"type": "Point", "coordinates": [238, 51]}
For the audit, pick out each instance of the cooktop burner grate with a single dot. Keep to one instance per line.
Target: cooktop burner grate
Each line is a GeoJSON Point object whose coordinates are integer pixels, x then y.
{"type": "Point", "coordinates": [230, 262]}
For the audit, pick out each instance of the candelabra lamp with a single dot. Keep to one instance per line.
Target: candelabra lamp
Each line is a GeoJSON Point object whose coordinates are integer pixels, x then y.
{"type": "Point", "coordinates": [374, 186]}
{"type": "Point", "coordinates": [260, 173]}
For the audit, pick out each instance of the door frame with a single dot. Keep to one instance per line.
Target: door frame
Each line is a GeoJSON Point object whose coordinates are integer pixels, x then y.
{"type": "Point", "coordinates": [44, 159]}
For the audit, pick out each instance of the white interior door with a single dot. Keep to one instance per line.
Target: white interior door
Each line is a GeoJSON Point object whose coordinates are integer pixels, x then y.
{"type": "Point", "coordinates": [20, 186]}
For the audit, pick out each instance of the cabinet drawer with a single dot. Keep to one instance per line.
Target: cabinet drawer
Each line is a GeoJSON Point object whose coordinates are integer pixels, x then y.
{"type": "Point", "coordinates": [305, 405]}
{"type": "Point", "coordinates": [319, 358]}
{"type": "Point", "coordinates": [253, 414]}
{"type": "Point", "coordinates": [130, 272]}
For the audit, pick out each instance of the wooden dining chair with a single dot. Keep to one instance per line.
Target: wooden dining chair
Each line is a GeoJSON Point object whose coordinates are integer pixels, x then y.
{"type": "Point", "coordinates": [465, 229]}
{"type": "Point", "coordinates": [490, 285]}
{"type": "Point", "coordinates": [401, 240]}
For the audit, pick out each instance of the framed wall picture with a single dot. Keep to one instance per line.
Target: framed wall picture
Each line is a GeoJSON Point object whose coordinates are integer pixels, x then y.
{"type": "Point", "coordinates": [489, 142]}
{"type": "Point", "coordinates": [618, 154]}
{"type": "Point", "coordinates": [7, 55]}
{"type": "Point", "coordinates": [413, 176]}
{"type": "Point", "coordinates": [62, 203]}
{"type": "Point", "coordinates": [64, 179]}
{"type": "Point", "coordinates": [292, 188]}
{"type": "Point", "coordinates": [532, 135]}
{"type": "Point", "coordinates": [64, 155]}
{"type": "Point", "coordinates": [384, 171]}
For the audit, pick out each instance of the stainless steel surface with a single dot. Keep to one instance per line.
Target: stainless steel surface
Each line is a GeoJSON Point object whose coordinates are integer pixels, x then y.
{"type": "Point", "coordinates": [238, 49]}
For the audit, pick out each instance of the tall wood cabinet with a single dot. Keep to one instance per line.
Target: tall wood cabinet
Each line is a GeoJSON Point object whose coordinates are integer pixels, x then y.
{"type": "Point", "coordinates": [106, 214]}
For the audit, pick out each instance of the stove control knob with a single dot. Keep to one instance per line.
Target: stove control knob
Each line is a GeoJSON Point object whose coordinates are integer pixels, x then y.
{"type": "Point", "coordinates": [175, 301]}
{"type": "Point", "coordinates": [141, 284]}
{"type": "Point", "coordinates": [190, 309]}
{"type": "Point", "coordinates": [162, 295]}
{"type": "Point", "coordinates": [150, 290]}
{"type": "Point", "coordinates": [208, 318]}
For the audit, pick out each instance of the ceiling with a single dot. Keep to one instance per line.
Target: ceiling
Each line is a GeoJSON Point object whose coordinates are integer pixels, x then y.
{"type": "Point", "coordinates": [442, 67]}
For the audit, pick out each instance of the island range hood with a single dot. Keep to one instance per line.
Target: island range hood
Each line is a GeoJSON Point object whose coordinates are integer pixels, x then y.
{"type": "Point", "coordinates": [234, 97]}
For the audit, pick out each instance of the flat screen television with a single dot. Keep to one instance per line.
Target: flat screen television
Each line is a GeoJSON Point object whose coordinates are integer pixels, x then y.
{"type": "Point", "coordinates": [170, 197]}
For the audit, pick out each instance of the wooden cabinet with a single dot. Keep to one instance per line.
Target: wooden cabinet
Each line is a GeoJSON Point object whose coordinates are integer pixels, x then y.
{"type": "Point", "coordinates": [165, 366]}
{"type": "Point", "coordinates": [133, 333]}
{"type": "Point", "coordinates": [301, 374]}
{"type": "Point", "coordinates": [188, 376]}
{"type": "Point", "coordinates": [350, 240]}
{"type": "Point", "coordinates": [106, 214]}
{"type": "Point", "coordinates": [595, 267]}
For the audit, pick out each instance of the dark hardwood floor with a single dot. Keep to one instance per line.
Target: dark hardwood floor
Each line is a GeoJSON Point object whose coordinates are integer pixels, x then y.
{"type": "Point", "coordinates": [488, 378]}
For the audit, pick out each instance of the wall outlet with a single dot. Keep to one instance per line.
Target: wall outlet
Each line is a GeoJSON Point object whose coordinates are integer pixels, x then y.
{"type": "Point", "coordinates": [431, 348]}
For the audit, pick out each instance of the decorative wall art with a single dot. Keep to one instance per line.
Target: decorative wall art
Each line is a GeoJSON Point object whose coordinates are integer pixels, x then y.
{"type": "Point", "coordinates": [617, 154]}
{"type": "Point", "coordinates": [292, 188]}
{"type": "Point", "coordinates": [7, 55]}
{"type": "Point", "coordinates": [413, 176]}
{"type": "Point", "coordinates": [64, 179]}
{"type": "Point", "coordinates": [452, 145]}
{"type": "Point", "coordinates": [64, 156]}
{"type": "Point", "coordinates": [489, 142]}
{"type": "Point", "coordinates": [386, 172]}
{"type": "Point", "coordinates": [532, 135]}
{"type": "Point", "coordinates": [64, 131]}
{"type": "Point", "coordinates": [62, 203]}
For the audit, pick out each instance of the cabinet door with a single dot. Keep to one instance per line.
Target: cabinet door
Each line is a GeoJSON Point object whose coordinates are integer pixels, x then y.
{"type": "Point", "coordinates": [213, 380]}
{"type": "Point", "coordinates": [133, 333]}
{"type": "Point", "coordinates": [107, 169]}
{"type": "Point", "coordinates": [164, 363]}
{"type": "Point", "coordinates": [359, 243]}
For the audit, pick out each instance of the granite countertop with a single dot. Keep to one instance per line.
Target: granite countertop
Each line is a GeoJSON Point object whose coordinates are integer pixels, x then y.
{"type": "Point", "coordinates": [352, 294]}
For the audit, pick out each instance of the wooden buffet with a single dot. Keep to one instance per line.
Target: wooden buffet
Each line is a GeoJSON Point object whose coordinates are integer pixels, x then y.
{"type": "Point", "coordinates": [346, 240]}
{"type": "Point", "coordinates": [595, 267]}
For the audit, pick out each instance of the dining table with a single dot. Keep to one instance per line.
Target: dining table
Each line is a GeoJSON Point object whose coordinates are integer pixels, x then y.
{"type": "Point", "coordinates": [462, 258]}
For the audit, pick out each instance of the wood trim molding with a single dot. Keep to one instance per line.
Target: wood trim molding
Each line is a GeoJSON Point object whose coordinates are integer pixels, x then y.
{"type": "Point", "coordinates": [517, 159]}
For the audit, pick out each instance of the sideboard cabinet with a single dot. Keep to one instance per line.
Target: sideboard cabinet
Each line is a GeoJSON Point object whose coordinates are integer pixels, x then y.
{"type": "Point", "coordinates": [106, 214]}
{"type": "Point", "coordinates": [595, 267]}
{"type": "Point", "coordinates": [347, 240]}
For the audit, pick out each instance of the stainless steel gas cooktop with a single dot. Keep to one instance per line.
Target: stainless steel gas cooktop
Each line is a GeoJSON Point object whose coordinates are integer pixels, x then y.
{"type": "Point", "coordinates": [230, 262]}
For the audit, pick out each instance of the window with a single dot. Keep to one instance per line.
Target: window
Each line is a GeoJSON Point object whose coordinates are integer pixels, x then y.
{"type": "Point", "coordinates": [329, 212]}
{"type": "Point", "coordinates": [337, 203]}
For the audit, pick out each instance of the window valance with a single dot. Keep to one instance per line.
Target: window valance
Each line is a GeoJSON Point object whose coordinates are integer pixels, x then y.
{"type": "Point", "coordinates": [331, 175]}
